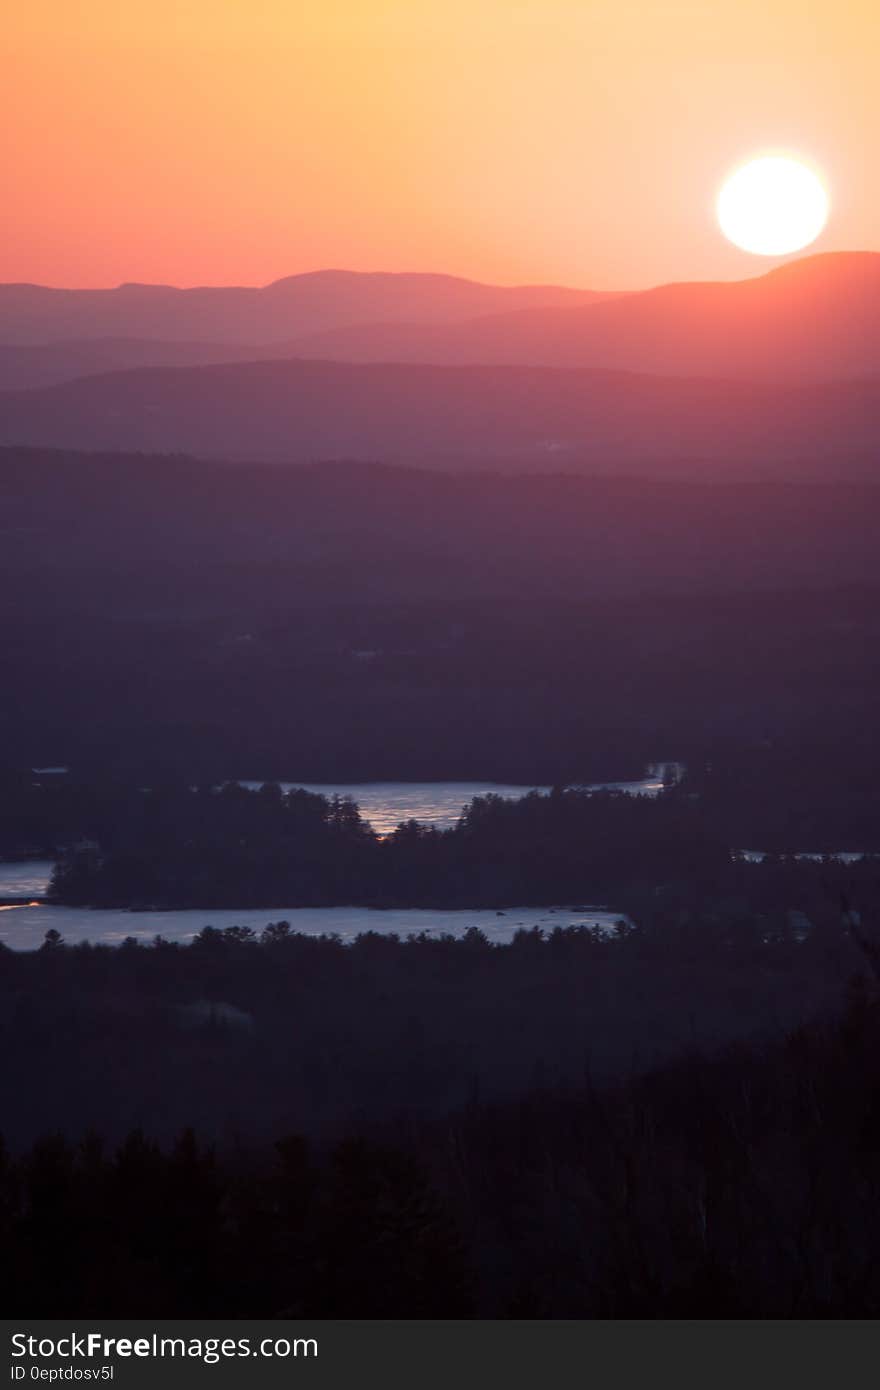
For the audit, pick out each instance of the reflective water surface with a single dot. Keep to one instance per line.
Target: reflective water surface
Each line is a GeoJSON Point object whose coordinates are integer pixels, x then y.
{"type": "Point", "coordinates": [386, 804]}
{"type": "Point", "coordinates": [23, 928]}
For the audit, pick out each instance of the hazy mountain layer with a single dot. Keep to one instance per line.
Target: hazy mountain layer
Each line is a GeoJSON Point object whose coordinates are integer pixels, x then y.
{"type": "Point", "coordinates": [185, 533]}
{"type": "Point", "coordinates": [355, 622]}
{"type": "Point", "coordinates": [816, 318]}
{"type": "Point", "coordinates": [520, 417]}
{"type": "Point", "coordinates": [34, 314]}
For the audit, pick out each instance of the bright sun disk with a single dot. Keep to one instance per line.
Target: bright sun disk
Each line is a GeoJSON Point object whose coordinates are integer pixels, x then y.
{"type": "Point", "coordinates": [772, 206]}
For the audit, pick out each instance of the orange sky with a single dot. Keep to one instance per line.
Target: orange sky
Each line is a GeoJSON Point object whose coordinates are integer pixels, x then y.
{"type": "Point", "coordinates": [576, 141]}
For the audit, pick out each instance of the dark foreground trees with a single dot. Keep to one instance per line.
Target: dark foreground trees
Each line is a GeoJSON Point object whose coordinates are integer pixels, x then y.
{"type": "Point", "coordinates": [747, 1185]}
{"type": "Point", "coordinates": [180, 1233]}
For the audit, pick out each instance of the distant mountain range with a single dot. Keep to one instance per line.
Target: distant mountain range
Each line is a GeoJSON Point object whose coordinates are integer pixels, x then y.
{"type": "Point", "coordinates": [298, 304]}
{"type": "Point", "coordinates": [812, 319]}
{"type": "Point", "coordinates": [551, 419]}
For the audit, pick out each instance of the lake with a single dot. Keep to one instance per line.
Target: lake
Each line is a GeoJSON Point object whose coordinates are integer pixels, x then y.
{"type": "Point", "coordinates": [23, 928]}
{"type": "Point", "coordinates": [385, 805]}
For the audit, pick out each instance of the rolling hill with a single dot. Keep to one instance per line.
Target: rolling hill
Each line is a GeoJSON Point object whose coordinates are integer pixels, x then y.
{"type": "Point", "coordinates": [94, 525]}
{"type": "Point", "coordinates": [561, 420]}
{"type": "Point", "coordinates": [816, 318]}
{"type": "Point", "coordinates": [296, 305]}
{"type": "Point", "coordinates": [366, 622]}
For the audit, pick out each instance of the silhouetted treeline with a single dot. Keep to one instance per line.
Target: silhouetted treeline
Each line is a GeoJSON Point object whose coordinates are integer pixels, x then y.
{"type": "Point", "coordinates": [90, 1229]}
{"type": "Point", "coordinates": [233, 847]}
{"type": "Point", "coordinates": [743, 1186]}
{"type": "Point", "coordinates": [177, 846]}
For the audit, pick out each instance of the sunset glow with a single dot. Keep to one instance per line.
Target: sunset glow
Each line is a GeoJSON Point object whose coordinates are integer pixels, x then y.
{"type": "Point", "coordinates": [576, 142]}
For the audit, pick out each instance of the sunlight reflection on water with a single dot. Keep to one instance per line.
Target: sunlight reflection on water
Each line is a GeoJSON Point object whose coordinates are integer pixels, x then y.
{"type": "Point", "coordinates": [386, 804]}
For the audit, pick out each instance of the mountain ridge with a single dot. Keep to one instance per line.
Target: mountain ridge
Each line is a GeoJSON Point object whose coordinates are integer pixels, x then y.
{"type": "Point", "coordinates": [811, 319]}
{"type": "Point", "coordinates": [585, 420]}
{"type": "Point", "coordinates": [37, 314]}
{"type": "Point", "coordinates": [815, 318]}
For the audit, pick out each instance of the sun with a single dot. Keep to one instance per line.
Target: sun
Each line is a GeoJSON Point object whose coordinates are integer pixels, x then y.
{"type": "Point", "coordinates": [773, 206]}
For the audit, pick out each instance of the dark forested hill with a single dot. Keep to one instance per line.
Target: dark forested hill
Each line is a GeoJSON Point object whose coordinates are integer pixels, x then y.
{"type": "Point", "coordinates": [365, 621]}
{"type": "Point", "coordinates": [524, 417]}
{"type": "Point", "coordinates": [79, 527]}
